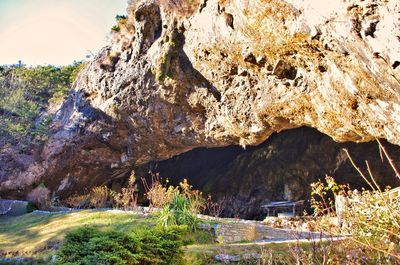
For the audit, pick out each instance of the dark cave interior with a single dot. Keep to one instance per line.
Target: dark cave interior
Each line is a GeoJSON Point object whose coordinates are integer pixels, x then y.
{"type": "Point", "coordinates": [281, 168]}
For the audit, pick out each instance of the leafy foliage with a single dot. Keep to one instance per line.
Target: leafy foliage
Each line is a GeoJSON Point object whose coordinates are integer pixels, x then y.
{"type": "Point", "coordinates": [186, 203]}
{"type": "Point", "coordinates": [144, 246]}
{"type": "Point", "coordinates": [121, 21]}
{"type": "Point", "coordinates": [25, 93]}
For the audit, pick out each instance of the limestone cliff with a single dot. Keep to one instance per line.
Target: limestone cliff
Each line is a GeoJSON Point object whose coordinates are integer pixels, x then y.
{"type": "Point", "coordinates": [222, 72]}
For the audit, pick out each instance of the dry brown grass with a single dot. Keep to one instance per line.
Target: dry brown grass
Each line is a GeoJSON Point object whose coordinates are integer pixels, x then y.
{"type": "Point", "coordinates": [100, 197]}
{"type": "Point", "coordinates": [371, 217]}
{"type": "Point", "coordinates": [77, 201]}
{"type": "Point", "coordinates": [40, 196]}
{"type": "Point", "coordinates": [158, 194]}
{"type": "Point", "coordinates": [128, 196]}
{"type": "Point", "coordinates": [181, 7]}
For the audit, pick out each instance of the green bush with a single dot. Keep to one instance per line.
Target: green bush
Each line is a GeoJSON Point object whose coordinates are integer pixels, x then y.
{"type": "Point", "coordinates": [25, 93]}
{"type": "Point", "coordinates": [121, 22]}
{"type": "Point", "coordinates": [143, 246]}
{"type": "Point", "coordinates": [178, 212]}
{"type": "Point", "coordinates": [161, 246]}
{"type": "Point", "coordinates": [116, 28]}
{"type": "Point", "coordinates": [30, 207]}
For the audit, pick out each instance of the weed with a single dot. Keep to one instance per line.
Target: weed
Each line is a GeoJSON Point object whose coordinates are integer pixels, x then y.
{"type": "Point", "coordinates": [40, 196]}
{"type": "Point", "coordinates": [158, 194]}
{"type": "Point", "coordinates": [128, 196]}
{"type": "Point", "coordinates": [215, 208]}
{"type": "Point", "coordinates": [100, 197]}
{"type": "Point", "coordinates": [371, 217]}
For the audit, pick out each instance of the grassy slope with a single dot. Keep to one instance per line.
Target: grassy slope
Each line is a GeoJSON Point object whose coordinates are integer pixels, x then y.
{"type": "Point", "coordinates": [32, 232]}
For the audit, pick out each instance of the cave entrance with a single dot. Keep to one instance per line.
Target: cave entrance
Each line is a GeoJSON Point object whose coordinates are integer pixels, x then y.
{"type": "Point", "coordinates": [282, 168]}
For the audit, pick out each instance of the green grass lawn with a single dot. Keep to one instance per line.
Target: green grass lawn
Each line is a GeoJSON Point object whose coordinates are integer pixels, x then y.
{"type": "Point", "coordinates": [31, 233]}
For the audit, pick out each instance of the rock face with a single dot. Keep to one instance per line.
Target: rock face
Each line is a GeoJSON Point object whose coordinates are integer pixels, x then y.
{"type": "Point", "coordinates": [219, 72]}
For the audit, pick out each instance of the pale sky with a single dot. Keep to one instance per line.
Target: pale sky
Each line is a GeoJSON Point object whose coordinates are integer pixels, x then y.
{"type": "Point", "coordinates": [55, 31]}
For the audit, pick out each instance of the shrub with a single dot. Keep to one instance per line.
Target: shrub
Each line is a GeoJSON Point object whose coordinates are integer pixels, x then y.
{"type": "Point", "coordinates": [120, 17]}
{"type": "Point", "coordinates": [144, 246]}
{"type": "Point", "coordinates": [121, 21]}
{"type": "Point", "coordinates": [195, 197]}
{"type": "Point", "coordinates": [40, 196]}
{"type": "Point", "coordinates": [30, 207]}
{"type": "Point", "coordinates": [100, 197]}
{"type": "Point", "coordinates": [25, 93]}
{"type": "Point", "coordinates": [78, 201]}
{"type": "Point", "coordinates": [116, 28]}
{"type": "Point", "coordinates": [185, 204]}
{"type": "Point", "coordinates": [215, 208]}
{"type": "Point", "coordinates": [128, 197]}
{"type": "Point", "coordinates": [158, 194]}
{"type": "Point", "coordinates": [91, 246]}
{"type": "Point", "coordinates": [161, 245]}
{"type": "Point", "coordinates": [372, 217]}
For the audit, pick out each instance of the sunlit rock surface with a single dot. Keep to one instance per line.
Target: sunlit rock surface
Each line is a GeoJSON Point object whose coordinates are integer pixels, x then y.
{"type": "Point", "coordinates": [220, 73]}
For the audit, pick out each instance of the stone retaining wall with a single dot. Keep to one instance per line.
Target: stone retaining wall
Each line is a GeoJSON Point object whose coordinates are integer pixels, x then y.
{"type": "Point", "coordinates": [12, 207]}
{"type": "Point", "coordinates": [235, 232]}
{"type": "Point", "coordinates": [232, 232]}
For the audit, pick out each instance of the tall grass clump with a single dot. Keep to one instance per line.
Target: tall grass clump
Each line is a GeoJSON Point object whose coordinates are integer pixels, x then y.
{"type": "Point", "coordinates": [186, 203]}
{"type": "Point", "coordinates": [178, 212]}
{"type": "Point", "coordinates": [128, 197]}
{"type": "Point", "coordinates": [177, 205]}
{"type": "Point", "coordinates": [370, 217]}
{"type": "Point", "coordinates": [100, 197]}
{"type": "Point", "coordinates": [158, 193]}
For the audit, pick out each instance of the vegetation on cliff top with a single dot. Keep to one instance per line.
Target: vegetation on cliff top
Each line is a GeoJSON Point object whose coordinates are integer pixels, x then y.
{"type": "Point", "coordinates": [25, 94]}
